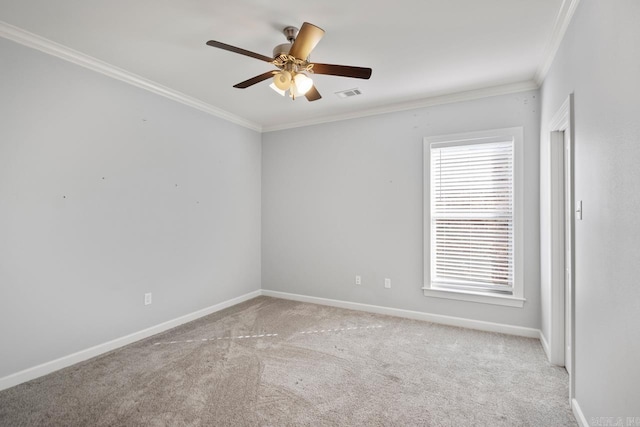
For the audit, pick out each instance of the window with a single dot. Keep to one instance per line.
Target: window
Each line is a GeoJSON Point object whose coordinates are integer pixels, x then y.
{"type": "Point", "coordinates": [473, 213]}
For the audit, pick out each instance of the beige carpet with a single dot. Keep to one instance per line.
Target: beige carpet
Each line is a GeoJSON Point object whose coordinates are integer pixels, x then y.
{"type": "Point", "coordinates": [271, 362]}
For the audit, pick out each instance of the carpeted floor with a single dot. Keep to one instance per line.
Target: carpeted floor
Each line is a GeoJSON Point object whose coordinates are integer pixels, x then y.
{"type": "Point", "coordinates": [272, 362]}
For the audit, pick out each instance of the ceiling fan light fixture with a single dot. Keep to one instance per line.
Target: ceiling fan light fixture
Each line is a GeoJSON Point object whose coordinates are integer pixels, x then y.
{"type": "Point", "coordinates": [292, 61]}
{"type": "Point", "coordinates": [302, 84]}
{"type": "Point", "coordinates": [282, 80]}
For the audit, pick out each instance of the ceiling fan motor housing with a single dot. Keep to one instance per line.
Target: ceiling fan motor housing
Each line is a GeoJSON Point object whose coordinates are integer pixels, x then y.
{"type": "Point", "coordinates": [281, 49]}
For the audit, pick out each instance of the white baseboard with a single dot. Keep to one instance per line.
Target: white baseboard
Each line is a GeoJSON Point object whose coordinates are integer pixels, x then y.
{"type": "Point", "coordinates": [435, 318]}
{"type": "Point", "coordinates": [577, 412]}
{"type": "Point", "coordinates": [545, 346]}
{"type": "Point", "coordinates": [63, 362]}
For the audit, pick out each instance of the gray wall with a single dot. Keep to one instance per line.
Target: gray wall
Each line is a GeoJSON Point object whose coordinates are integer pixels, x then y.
{"type": "Point", "coordinates": [107, 192]}
{"type": "Point", "coordinates": [345, 198]}
{"type": "Point", "coordinates": [599, 61]}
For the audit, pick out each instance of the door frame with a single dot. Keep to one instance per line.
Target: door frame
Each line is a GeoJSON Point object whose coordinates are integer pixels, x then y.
{"type": "Point", "coordinates": [562, 217]}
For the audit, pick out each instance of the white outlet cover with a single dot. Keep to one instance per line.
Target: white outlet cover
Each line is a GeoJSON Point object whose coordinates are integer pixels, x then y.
{"type": "Point", "coordinates": [387, 283]}
{"type": "Point", "coordinates": [147, 299]}
{"type": "Point", "coordinates": [358, 280]}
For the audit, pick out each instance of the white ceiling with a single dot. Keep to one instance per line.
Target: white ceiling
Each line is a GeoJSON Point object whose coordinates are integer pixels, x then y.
{"type": "Point", "coordinates": [417, 49]}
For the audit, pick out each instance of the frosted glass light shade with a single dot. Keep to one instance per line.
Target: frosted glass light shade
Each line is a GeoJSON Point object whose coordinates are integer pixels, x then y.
{"type": "Point", "coordinates": [274, 87]}
{"type": "Point", "coordinates": [302, 84]}
{"type": "Point", "coordinates": [282, 80]}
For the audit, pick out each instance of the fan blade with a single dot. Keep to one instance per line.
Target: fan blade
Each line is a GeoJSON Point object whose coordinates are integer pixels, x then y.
{"type": "Point", "coordinates": [312, 94]}
{"type": "Point", "coordinates": [342, 70]}
{"type": "Point", "coordinates": [308, 37]}
{"type": "Point", "coordinates": [257, 79]}
{"type": "Point", "coordinates": [230, 48]}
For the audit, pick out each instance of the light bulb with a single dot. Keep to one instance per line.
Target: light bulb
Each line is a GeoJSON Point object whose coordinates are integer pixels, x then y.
{"type": "Point", "coordinates": [282, 80]}
{"type": "Point", "coordinates": [302, 84]}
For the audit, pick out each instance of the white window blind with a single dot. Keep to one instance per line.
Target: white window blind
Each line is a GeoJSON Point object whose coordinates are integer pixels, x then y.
{"type": "Point", "coordinates": [472, 216]}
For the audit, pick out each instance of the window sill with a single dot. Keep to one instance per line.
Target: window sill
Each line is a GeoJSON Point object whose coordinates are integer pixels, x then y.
{"type": "Point", "coordinates": [506, 300]}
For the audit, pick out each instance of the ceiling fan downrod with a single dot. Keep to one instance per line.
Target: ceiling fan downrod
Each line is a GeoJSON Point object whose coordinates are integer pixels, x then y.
{"type": "Point", "coordinates": [290, 33]}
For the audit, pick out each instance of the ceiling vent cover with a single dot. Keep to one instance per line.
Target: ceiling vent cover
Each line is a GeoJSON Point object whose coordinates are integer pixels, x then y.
{"type": "Point", "coordinates": [349, 93]}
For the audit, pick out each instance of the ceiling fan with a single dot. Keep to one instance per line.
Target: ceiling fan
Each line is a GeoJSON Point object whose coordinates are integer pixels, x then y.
{"type": "Point", "coordinates": [292, 61]}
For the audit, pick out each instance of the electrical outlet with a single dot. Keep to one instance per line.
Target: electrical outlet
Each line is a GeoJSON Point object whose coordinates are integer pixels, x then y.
{"type": "Point", "coordinates": [147, 298]}
{"type": "Point", "coordinates": [387, 283]}
{"type": "Point", "coordinates": [358, 280]}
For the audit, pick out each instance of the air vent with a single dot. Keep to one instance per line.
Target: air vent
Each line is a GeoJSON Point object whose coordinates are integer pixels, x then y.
{"type": "Point", "coordinates": [349, 93]}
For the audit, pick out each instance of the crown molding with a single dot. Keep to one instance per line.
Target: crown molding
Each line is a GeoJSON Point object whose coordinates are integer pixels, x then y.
{"type": "Point", "coordinates": [563, 19]}
{"type": "Point", "coordinates": [468, 95]}
{"type": "Point", "coordinates": [50, 47]}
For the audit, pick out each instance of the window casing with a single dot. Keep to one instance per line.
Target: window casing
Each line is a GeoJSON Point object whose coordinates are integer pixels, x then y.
{"type": "Point", "coordinates": [473, 216]}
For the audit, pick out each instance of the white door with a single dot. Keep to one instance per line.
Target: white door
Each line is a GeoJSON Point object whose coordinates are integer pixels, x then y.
{"type": "Point", "coordinates": [568, 252]}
